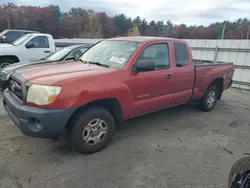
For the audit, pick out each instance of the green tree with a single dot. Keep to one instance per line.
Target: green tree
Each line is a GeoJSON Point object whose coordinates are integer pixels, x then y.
{"type": "Point", "coordinates": [122, 24]}
{"type": "Point", "coordinates": [160, 28]}
{"type": "Point", "coordinates": [137, 21]}
{"type": "Point", "coordinates": [143, 27]}
{"type": "Point", "coordinates": [77, 11]}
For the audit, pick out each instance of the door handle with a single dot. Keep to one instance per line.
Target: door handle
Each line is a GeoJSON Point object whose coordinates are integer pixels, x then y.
{"type": "Point", "coordinates": [169, 76]}
{"type": "Point", "coordinates": [47, 51]}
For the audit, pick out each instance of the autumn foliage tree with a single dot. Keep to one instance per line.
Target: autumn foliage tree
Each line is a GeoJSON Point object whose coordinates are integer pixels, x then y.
{"type": "Point", "coordinates": [134, 31]}
{"type": "Point", "coordinates": [78, 22]}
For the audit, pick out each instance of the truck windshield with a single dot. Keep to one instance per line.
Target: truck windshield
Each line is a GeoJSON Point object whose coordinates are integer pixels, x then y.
{"type": "Point", "coordinates": [21, 40]}
{"type": "Point", "coordinates": [111, 53]}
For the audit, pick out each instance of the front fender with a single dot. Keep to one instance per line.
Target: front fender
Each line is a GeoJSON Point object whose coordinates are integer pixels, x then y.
{"type": "Point", "coordinates": [7, 52]}
{"type": "Point", "coordinates": [116, 90]}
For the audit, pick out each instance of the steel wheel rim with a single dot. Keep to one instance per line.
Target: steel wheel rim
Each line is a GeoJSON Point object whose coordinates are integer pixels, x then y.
{"type": "Point", "coordinates": [95, 131]}
{"type": "Point", "coordinates": [211, 99]}
{"type": "Point", "coordinates": [4, 64]}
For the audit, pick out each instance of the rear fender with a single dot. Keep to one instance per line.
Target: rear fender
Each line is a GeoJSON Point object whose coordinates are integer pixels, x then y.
{"type": "Point", "coordinates": [219, 83]}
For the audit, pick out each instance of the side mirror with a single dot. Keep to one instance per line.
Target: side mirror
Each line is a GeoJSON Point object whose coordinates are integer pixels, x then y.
{"type": "Point", "coordinates": [145, 65]}
{"type": "Point", "coordinates": [30, 45]}
{"type": "Point", "coordinates": [3, 39]}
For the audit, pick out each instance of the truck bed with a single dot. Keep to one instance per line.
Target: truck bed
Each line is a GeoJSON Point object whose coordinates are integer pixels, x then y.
{"type": "Point", "coordinates": [206, 71]}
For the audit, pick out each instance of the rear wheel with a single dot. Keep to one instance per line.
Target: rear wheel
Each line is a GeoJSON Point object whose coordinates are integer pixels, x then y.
{"type": "Point", "coordinates": [5, 61]}
{"type": "Point", "coordinates": [92, 131]}
{"type": "Point", "coordinates": [209, 100]}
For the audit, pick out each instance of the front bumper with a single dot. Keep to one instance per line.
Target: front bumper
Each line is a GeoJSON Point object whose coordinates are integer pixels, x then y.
{"type": "Point", "coordinates": [36, 122]}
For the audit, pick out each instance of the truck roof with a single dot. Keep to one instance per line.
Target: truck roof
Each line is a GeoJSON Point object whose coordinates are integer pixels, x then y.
{"type": "Point", "coordinates": [21, 30]}
{"type": "Point", "coordinates": [144, 38]}
{"type": "Point", "coordinates": [39, 34]}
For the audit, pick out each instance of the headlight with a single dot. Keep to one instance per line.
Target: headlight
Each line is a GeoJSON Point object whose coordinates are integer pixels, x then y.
{"type": "Point", "coordinates": [42, 95]}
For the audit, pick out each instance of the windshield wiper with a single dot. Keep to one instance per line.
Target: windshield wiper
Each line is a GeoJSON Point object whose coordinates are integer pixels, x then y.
{"type": "Point", "coordinates": [94, 63]}
{"type": "Point", "coordinates": [98, 64]}
{"type": "Point", "coordinates": [82, 61]}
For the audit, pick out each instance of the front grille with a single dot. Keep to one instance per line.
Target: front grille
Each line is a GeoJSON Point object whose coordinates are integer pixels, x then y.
{"type": "Point", "coordinates": [17, 87]}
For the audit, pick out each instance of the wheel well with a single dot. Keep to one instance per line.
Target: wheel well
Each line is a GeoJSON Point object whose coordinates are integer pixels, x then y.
{"type": "Point", "coordinates": [15, 58]}
{"type": "Point", "coordinates": [220, 85]}
{"type": "Point", "coordinates": [112, 105]}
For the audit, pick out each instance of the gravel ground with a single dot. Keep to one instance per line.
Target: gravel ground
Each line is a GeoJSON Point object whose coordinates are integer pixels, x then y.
{"type": "Point", "coordinates": [179, 147]}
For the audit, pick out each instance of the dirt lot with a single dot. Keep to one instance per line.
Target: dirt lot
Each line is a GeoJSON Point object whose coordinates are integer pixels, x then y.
{"type": "Point", "coordinates": [180, 147]}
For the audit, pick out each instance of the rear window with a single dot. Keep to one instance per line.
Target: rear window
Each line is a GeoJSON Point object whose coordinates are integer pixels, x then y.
{"type": "Point", "coordinates": [181, 54]}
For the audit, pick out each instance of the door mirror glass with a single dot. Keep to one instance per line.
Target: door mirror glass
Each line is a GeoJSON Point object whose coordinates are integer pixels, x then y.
{"type": "Point", "coordinates": [145, 65]}
{"type": "Point", "coordinates": [30, 45]}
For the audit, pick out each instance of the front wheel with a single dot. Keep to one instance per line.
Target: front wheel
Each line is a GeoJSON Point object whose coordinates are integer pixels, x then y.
{"type": "Point", "coordinates": [4, 62]}
{"type": "Point", "coordinates": [209, 100]}
{"type": "Point", "coordinates": [92, 131]}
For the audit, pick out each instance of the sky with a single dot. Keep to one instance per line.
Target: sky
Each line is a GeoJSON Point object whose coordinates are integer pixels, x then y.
{"type": "Point", "coordinates": [190, 12]}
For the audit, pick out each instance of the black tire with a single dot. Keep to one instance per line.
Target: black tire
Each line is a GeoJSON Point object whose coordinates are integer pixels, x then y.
{"type": "Point", "coordinates": [239, 167]}
{"type": "Point", "coordinates": [6, 61]}
{"type": "Point", "coordinates": [203, 103]}
{"type": "Point", "coordinates": [82, 120]}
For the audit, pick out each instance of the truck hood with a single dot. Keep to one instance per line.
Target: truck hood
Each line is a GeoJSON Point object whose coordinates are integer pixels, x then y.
{"type": "Point", "coordinates": [8, 49]}
{"type": "Point", "coordinates": [49, 74]}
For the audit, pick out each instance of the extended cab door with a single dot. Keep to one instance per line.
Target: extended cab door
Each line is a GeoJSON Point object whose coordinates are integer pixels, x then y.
{"type": "Point", "coordinates": [36, 48]}
{"type": "Point", "coordinates": [183, 74]}
{"type": "Point", "coordinates": [151, 90]}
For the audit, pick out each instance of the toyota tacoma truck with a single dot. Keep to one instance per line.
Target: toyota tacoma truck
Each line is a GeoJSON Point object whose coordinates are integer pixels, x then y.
{"type": "Point", "coordinates": [115, 80]}
{"type": "Point", "coordinates": [27, 48]}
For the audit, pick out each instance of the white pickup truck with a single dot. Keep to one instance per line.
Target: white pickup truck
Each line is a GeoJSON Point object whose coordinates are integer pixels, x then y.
{"type": "Point", "coordinates": [27, 48]}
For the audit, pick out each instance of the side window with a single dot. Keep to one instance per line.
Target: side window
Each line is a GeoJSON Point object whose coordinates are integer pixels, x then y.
{"type": "Point", "coordinates": [11, 36]}
{"type": "Point", "coordinates": [40, 42]}
{"type": "Point", "coordinates": [75, 54]}
{"type": "Point", "coordinates": [158, 53]}
{"type": "Point", "coordinates": [181, 54]}
{"type": "Point", "coordinates": [83, 49]}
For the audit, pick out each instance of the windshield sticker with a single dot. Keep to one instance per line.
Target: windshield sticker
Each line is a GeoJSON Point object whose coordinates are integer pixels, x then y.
{"type": "Point", "coordinates": [119, 60]}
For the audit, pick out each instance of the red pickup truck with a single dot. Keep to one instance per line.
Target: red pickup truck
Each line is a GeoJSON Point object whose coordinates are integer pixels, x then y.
{"type": "Point", "coordinates": [115, 80]}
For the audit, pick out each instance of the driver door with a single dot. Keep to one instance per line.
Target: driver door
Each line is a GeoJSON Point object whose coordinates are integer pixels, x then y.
{"type": "Point", "coordinates": [152, 90]}
{"type": "Point", "coordinates": [40, 48]}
